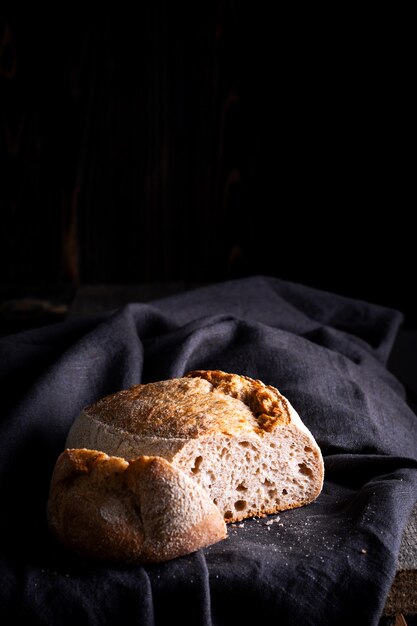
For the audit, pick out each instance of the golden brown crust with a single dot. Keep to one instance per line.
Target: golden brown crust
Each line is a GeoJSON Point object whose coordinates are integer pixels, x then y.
{"type": "Point", "coordinates": [200, 403]}
{"type": "Point", "coordinates": [268, 406]}
{"type": "Point", "coordinates": [140, 511]}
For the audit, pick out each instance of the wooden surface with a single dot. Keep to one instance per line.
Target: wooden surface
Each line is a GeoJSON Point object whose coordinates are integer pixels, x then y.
{"type": "Point", "coordinates": [99, 298]}
{"type": "Point", "coordinates": [403, 595]}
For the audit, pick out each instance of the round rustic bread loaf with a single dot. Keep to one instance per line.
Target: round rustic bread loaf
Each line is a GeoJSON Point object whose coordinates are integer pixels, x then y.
{"type": "Point", "coordinates": [236, 437]}
{"type": "Point", "coordinates": [140, 511]}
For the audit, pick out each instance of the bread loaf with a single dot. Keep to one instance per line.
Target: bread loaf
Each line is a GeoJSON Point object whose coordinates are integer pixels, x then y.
{"type": "Point", "coordinates": [237, 438]}
{"type": "Point", "coordinates": [139, 511]}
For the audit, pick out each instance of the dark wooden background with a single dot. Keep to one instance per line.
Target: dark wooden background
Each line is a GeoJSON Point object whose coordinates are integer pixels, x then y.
{"type": "Point", "coordinates": [202, 142]}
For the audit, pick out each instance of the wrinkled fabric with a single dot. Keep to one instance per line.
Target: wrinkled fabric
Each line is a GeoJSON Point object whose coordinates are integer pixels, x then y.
{"type": "Point", "coordinates": [331, 562]}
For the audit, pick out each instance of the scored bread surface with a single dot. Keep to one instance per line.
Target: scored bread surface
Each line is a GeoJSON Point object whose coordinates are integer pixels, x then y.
{"type": "Point", "coordinates": [238, 438]}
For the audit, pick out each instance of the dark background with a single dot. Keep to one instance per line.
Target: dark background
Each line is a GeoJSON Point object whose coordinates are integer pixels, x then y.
{"type": "Point", "coordinates": [202, 142]}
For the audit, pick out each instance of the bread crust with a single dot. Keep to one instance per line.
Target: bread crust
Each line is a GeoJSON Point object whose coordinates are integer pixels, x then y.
{"type": "Point", "coordinates": [118, 511]}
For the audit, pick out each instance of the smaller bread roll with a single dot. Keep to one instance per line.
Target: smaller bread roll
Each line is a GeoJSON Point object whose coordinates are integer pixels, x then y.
{"type": "Point", "coordinates": [114, 510]}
